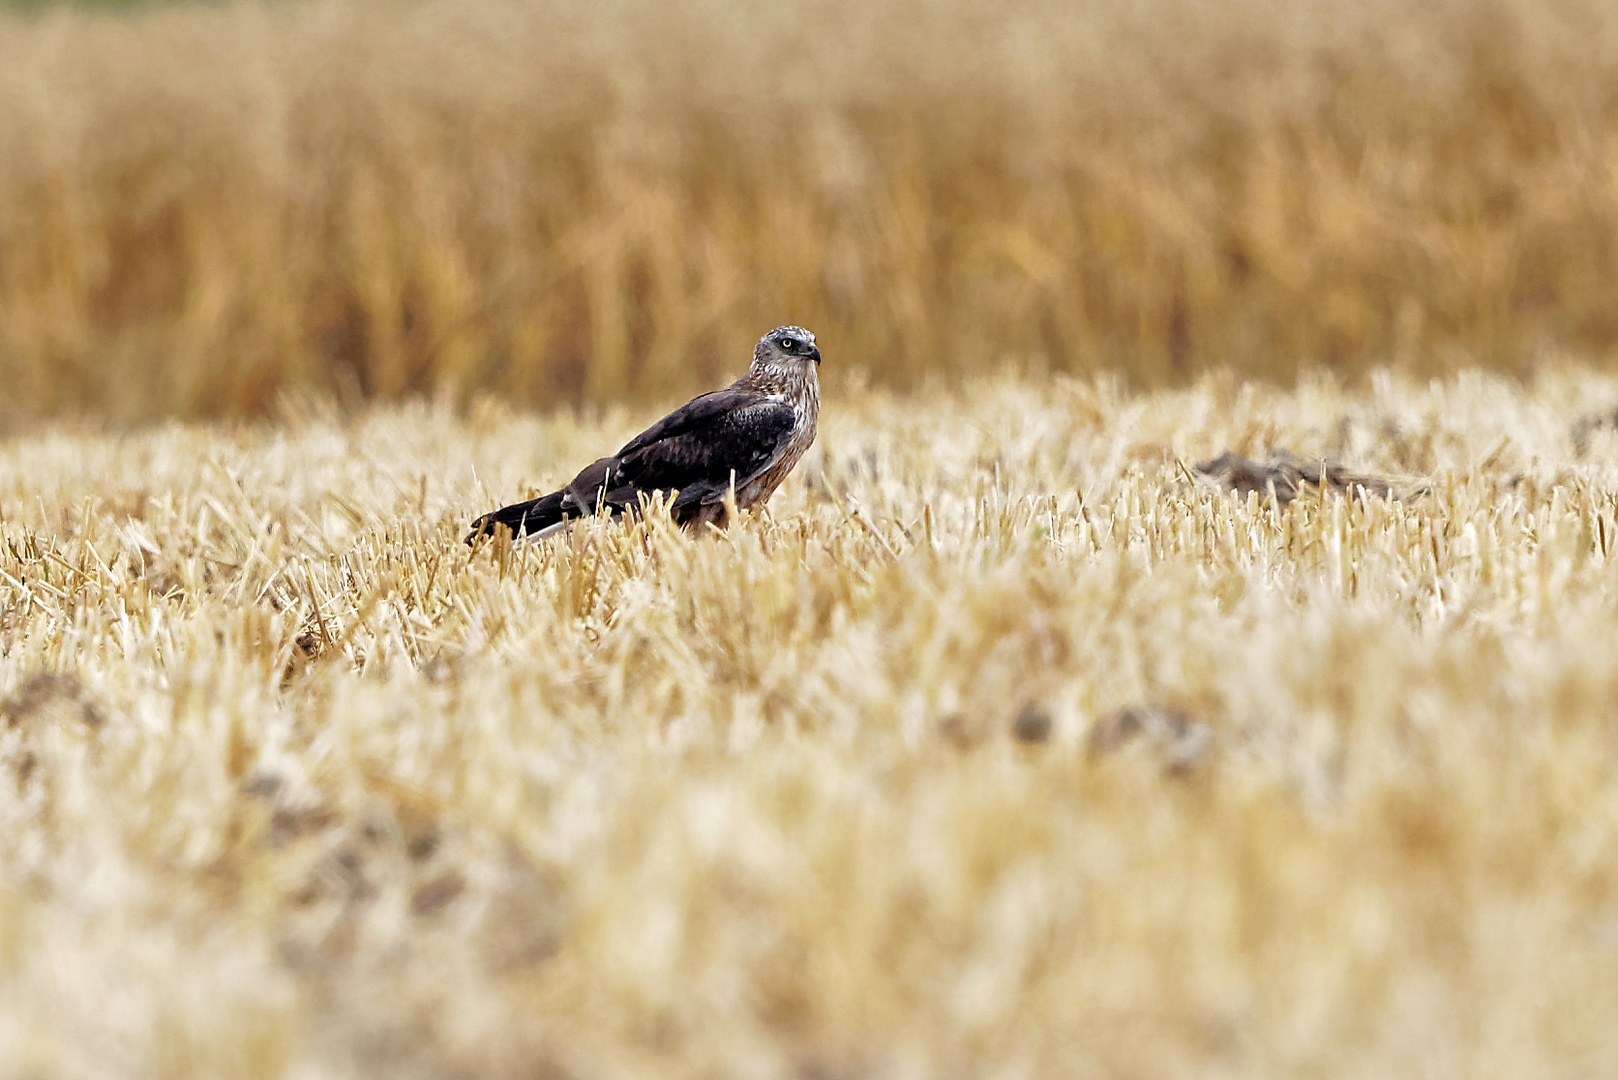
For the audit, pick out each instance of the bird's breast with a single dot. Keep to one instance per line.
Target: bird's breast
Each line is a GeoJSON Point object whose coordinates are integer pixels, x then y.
{"type": "Point", "coordinates": [805, 415]}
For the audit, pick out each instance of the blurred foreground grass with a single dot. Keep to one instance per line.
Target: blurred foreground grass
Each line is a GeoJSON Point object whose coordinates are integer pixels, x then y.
{"type": "Point", "coordinates": [203, 205]}
{"type": "Point", "coordinates": [997, 750]}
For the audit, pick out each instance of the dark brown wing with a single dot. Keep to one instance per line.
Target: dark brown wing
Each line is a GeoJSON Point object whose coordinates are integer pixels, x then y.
{"type": "Point", "coordinates": [522, 518]}
{"type": "Point", "coordinates": [696, 413]}
{"type": "Point", "coordinates": [713, 443]}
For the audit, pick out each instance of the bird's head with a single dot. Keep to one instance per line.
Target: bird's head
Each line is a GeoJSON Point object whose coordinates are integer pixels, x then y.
{"type": "Point", "coordinates": [786, 351]}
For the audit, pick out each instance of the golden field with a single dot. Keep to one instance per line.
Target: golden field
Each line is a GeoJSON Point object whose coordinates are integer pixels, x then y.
{"type": "Point", "coordinates": [203, 205]}
{"type": "Point", "coordinates": [1006, 744]}
{"type": "Point", "coordinates": [1002, 746]}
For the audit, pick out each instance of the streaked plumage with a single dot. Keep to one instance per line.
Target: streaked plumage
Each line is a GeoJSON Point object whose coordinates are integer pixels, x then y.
{"type": "Point", "coordinates": [749, 434]}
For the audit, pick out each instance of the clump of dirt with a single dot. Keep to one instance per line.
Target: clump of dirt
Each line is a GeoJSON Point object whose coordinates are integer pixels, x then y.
{"type": "Point", "coordinates": [1586, 427]}
{"type": "Point", "coordinates": [46, 694]}
{"type": "Point", "coordinates": [1179, 742]}
{"type": "Point", "coordinates": [1032, 724]}
{"type": "Point", "coordinates": [1290, 476]}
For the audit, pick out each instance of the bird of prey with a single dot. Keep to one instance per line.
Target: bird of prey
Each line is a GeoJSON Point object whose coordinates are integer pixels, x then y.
{"type": "Point", "coordinates": [747, 436]}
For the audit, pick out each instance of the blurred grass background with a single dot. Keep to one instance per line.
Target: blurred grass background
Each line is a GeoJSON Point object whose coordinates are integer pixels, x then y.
{"type": "Point", "coordinates": [204, 205]}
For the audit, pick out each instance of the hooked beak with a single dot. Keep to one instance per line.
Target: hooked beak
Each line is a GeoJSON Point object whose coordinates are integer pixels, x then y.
{"type": "Point", "coordinates": [814, 354]}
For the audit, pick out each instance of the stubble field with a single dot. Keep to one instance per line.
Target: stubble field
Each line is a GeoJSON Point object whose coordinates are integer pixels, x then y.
{"type": "Point", "coordinates": [1006, 745]}
{"type": "Point", "coordinates": [1001, 747]}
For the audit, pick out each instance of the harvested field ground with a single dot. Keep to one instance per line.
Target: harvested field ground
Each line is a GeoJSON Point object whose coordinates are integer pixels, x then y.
{"type": "Point", "coordinates": [1003, 747]}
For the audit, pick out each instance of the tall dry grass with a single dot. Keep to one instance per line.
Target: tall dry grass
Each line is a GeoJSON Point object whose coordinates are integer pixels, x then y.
{"type": "Point", "coordinates": [201, 205]}
{"type": "Point", "coordinates": [1001, 750]}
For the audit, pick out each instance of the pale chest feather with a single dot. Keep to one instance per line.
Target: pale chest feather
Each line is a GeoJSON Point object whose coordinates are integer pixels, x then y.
{"type": "Point", "coordinates": [806, 413]}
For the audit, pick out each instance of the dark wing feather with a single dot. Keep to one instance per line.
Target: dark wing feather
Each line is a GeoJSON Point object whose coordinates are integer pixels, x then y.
{"type": "Point", "coordinates": [584, 492]}
{"type": "Point", "coordinates": [522, 518]}
{"type": "Point", "coordinates": [695, 414]}
{"type": "Point", "coordinates": [702, 456]}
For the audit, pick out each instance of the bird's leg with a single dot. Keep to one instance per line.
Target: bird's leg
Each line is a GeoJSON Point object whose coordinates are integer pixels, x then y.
{"type": "Point", "coordinates": [713, 514]}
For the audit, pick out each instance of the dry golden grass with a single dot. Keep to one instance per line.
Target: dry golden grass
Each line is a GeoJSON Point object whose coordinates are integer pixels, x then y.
{"type": "Point", "coordinates": [202, 205]}
{"type": "Point", "coordinates": [999, 749]}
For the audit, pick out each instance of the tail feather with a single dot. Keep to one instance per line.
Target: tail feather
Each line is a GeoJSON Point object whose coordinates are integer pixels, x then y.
{"type": "Point", "coordinates": [524, 518]}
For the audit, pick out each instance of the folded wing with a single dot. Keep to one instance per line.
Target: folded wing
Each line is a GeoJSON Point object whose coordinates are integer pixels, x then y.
{"type": "Point", "coordinates": [700, 449]}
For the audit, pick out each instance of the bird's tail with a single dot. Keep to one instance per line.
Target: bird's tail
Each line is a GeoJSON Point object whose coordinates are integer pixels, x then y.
{"type": "Point", "coordinates": [524, 518]}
